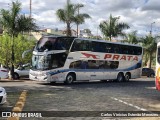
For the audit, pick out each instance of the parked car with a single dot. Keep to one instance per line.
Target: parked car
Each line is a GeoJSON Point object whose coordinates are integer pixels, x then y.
{"type": "Point", "coordinates": [3, 73]}
{"type": "Point", "coordinates": [148, 72]}
{"type": "Point", "coordinates": [22, 71]}
{"type": "Point", "coordinates": [3, 95]}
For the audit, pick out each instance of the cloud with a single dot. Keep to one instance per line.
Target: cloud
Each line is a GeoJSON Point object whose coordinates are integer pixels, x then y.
{"type": "Point", "coordinates": [139, 14]}
{"type": "Point", "coordinates": [152, 5]}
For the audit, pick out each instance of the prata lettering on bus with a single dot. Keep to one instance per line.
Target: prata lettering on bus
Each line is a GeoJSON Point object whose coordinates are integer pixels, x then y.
{"type": "Point", "coordinates": [121, 57]}
{"type": "Point", "coordinates": [112, 57]}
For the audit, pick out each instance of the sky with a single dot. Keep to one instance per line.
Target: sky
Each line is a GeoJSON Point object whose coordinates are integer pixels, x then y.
{"type": "Point", "coordinates": [140, 15]}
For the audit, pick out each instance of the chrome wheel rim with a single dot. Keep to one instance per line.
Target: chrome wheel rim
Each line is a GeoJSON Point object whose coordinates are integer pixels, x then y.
{"type": "Point", "coordinates": [69, 79]}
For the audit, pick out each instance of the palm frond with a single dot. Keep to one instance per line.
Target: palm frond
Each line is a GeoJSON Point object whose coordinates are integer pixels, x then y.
{"type": "Point", "coordinates": [61, 15]}
{"type": "Point", "coordinates": [112, 28]}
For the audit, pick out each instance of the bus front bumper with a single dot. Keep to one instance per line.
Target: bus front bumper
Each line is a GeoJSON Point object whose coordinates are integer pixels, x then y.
{"type": "Point", "coordinates": [38, 78]}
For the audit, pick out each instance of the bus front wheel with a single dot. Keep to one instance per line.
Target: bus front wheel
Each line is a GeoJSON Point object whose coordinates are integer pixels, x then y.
{"type": "Point", "coordinates": [70, 78]}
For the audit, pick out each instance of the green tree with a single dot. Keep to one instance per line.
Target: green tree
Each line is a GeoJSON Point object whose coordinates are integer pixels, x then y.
{"type": "Point", "coordinates": [132, 38]}
{"type": "Point", "coordinates": [150, 46]}
{"type": "Point", "coordinates": [112, 28]}
{"type": "Point", "coordinates": [68, 15]}
{"type": "Point", "coordinates": [21, 44]}
{"type": "Point", "coordinates": [14, 23]}
{"type": "Point", "coordinates": [5, 50]}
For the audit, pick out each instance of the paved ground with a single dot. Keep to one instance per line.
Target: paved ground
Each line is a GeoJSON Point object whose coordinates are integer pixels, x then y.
{"type": "Point", "coordinates": [135, 96]}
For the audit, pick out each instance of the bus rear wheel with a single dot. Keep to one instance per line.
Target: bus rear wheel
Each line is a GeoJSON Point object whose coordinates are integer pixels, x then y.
{"type": "Point", "coordinates": [120, 77]}
{"type": "Point", "coordinates": [127, 77]}
{"type": "Point", "coordinates": [70, 78]}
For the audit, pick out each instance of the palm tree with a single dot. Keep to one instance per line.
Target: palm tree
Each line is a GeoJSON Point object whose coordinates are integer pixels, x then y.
{"type": "Point", "coordinates": [80, 18]}
{"type": "Point", "coordinates": [68, 15]}
{"type": "Point", "coordinates": [132, 38]}
{"type": "Point", "coordinates": [112, 28]}
{"type": "Point", "coordinates": [150, 45]}
{"type": "Point", "coordinates": [14, 23]}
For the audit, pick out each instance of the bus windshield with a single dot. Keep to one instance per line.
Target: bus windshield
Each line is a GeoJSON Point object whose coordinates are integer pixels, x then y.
{"type": "Point", "coordinates": [53, 43]}
{"type": "Point", "coordinates": [51, 61]}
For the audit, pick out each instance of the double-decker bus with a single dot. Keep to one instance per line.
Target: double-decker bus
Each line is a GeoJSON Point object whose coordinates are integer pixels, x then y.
{"type": "Point", "coordinates": [68, 59]}
{"type": "Point", "coordinates": [157, 78]}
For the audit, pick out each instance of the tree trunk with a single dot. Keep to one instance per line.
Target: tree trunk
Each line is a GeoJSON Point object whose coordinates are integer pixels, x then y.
{"type": "Point", "coordinates": [77, 30]}
{"type": "Point", "coordinates": [110, 38]}
{"type": "Point", "coordinates": [69, 30]}
{"type": "Point", "coordinates": [12, 59]}
{"type": "Point", "coordinates": [150, 61]}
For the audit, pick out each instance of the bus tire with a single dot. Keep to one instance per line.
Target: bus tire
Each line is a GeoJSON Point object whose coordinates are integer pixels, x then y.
{"type": "Point", "coordinates": [127, 77]}
{"type": "Point", "coordinates": [53, 82]}
{"type": "Point", "coordinates": [120, 77]}
{"type": "Point", "coordinates": [70, 78]}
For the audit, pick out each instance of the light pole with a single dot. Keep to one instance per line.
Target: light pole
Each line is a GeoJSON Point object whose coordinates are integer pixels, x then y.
{"type": "Point", "coordinates": [151, 28]}
{"type": "Point", "coordinates": [30, 8]}
{"type": "Point", "coordinates": [97, 33]}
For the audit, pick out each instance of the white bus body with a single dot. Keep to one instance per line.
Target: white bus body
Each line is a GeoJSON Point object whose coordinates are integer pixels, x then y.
{"type": "Point", "coordinates": [157, 78]}
{"type": "Point", "coordinates": [89, 63]}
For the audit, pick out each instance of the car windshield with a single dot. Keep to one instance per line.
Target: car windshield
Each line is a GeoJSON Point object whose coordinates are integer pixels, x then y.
{"type": "Point", "coordinates": [24, 67]}
{"type": "Point", "coordinates": [48, 62]}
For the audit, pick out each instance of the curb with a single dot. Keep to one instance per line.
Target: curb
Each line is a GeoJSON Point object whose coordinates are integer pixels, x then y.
{"type": "Point", "coordinates": [8, 80]}
{"type": "Point", "coordinates": [19, 105]}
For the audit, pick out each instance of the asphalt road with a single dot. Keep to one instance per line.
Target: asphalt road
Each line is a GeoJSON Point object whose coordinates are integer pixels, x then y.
{"type": "Point", "coordinates": [138, 95]}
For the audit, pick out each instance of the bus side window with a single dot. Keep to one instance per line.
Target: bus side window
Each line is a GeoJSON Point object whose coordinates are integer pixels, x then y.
{"type": "Point", "coordinates": [67, 42]}
{"type": "Point", "coordinates": [86, 45]}
{"type": "Point", "coordinates": [139, 51]}
{"type": "Point", "coordinates": [92, 64]}
{"type": "Point", "coordinates": [59, 45]}
{"type": "Point", "coordinates": [124, 49]}
{"type": "Point", "coordinates": [114, 64]}
{"type": "Point", "coordinates": [84, 64]}
{"type": "Point", "coordinates": [75, 64]}
{"type": "Point", "coordinates": [108, 48]}
{"type": "Point", "coordinates": [116, 48]}
{"type": "Point", "coordinates": [98, 47]}
{"type": "Point", "coordinates": [131, 50]}
{"type": "Point", "coordinates": [76, 45]}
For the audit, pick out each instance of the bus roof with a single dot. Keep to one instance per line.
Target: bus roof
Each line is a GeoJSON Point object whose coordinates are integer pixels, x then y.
{"type": "Point", "coordinates": [105, 41]}
{"type": "Point", "coordinates": [57, 36]}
